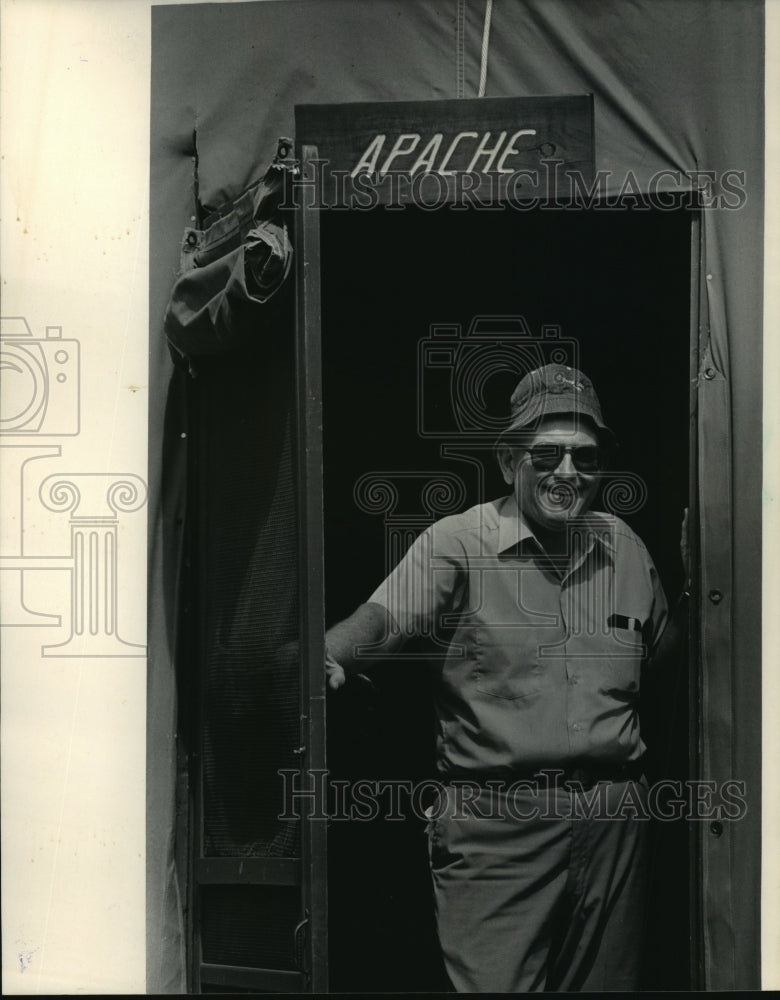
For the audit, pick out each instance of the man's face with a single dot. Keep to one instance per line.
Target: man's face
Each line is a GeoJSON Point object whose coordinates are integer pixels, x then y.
{"type": "Point", "coordinates": [551, 484]}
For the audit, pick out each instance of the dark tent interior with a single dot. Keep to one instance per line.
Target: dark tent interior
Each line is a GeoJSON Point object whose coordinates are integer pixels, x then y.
{"type": "Point", "coordinates": [617, 283]}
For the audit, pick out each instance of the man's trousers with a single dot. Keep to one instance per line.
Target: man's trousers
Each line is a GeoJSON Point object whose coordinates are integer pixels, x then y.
{"type": "Point", "coordinates": [542, 888]}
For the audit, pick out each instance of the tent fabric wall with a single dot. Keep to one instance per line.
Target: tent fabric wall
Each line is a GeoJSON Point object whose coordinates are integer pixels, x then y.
{"type": "Point", "coordinates": [677, 85]}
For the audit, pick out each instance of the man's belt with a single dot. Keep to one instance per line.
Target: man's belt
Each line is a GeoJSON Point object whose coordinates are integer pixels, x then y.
{"type": "Point", "coordinates": [590, 773]}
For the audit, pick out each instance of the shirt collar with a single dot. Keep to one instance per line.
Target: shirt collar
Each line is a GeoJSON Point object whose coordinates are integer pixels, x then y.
{"type": "Point", "coordinates": [513, 529]}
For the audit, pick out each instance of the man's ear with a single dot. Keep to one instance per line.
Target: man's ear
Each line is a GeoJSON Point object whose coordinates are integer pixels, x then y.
{"type": "Point", "coordinates": [506, 462]}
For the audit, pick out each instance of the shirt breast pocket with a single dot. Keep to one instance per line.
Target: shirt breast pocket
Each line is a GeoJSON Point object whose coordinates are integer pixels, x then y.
{"type": "Point", "coordinates": [626, 653]}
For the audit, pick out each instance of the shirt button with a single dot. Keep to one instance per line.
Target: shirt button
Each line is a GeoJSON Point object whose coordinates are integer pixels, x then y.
{"type": "Point", "coordinates": [576, 727]}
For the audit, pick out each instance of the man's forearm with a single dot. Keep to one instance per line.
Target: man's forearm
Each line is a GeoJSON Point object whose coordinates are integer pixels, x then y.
{"type": "Point", "coordinates": [673, 639]}
{"type": "Point", "coordinates": [368, 626]}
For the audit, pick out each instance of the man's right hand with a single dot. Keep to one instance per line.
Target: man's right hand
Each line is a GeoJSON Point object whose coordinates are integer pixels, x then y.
{"type": "Point", "coordinates": [366, 626]}
{"type": "Point", "coordinates": [334, 672]}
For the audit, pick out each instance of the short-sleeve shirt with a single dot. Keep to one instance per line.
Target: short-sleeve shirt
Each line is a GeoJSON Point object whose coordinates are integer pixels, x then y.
{"type": "Point", "coordinates": [540, 665]}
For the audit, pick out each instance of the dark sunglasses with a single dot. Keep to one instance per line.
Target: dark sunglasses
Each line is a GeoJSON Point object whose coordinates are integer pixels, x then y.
{"type": "Point", "coordinates": [585, 458]}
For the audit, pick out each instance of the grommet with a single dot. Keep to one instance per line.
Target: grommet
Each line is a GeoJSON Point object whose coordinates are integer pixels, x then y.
{"type": "Point", "coordinates": [709, 373]}
{"type": "Point", "coordinates": [716, 828]}
{"type": "Point", "coordinates": [192, 239]}
{"type": "Point", "coordinates": [715, 596]}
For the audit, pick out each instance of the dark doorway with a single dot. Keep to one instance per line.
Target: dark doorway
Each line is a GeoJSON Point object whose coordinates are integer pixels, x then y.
{"type": "Point", "coordinates": [616, 284]}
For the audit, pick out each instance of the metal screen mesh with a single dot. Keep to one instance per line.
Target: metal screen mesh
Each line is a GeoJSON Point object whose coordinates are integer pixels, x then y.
{"type": "Point", "coordinates": [249, 926]}
{"type": "Point", "coordinates": [249, 605]}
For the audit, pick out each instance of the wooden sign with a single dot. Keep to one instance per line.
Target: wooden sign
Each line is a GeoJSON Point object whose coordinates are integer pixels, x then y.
{"type": "Point", "coordinates": [424, 152]}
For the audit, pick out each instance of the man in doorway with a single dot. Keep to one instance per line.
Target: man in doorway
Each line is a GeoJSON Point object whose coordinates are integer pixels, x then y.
{"type": "Point", "coordinates": [550, 610]}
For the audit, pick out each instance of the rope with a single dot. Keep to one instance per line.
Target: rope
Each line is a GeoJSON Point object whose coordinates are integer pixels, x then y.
{"type": "Point", "coordinates": [460, 45]}
{"type": "Point", "coordinates": [485, 44]}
